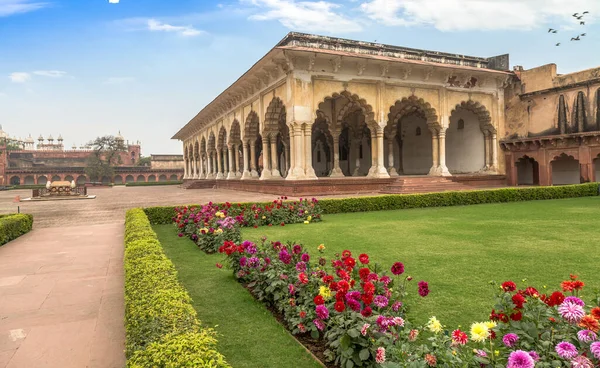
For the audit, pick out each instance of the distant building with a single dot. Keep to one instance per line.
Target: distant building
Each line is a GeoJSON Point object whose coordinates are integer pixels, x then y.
{"type": "Point", "coordinates": [25, 162]}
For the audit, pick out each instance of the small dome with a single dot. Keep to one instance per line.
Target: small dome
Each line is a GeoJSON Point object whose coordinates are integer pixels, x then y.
{"type": "Point", "coordinates": [29, 139]}
{"type": "Point", "coordinates": [119, 137]}
{"type": "Point", "coordinates": [50, 137]}
{"type": "Point", "coordinates": [40, 138]}
{"type": "Point", "coordinates": [60, 138]}
{"type": "Point", "coordinates": [3, 134]}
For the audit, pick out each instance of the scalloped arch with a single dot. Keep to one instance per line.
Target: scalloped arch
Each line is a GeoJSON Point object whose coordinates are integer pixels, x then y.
{"type": "Point", "coordinates": [482, 113]}
{"type": "Point", "coordinates": [251, 126]}
{"type": "Point", "coordinates": [211, 142]}
{"type": "Point", "coordinates": [222, 141]}
{"type": "Point", "coordinates": [235, 133]}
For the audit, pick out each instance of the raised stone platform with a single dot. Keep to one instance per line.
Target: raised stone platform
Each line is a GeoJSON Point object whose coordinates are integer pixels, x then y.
{"type": "Point", "coordinates": [352, 185]}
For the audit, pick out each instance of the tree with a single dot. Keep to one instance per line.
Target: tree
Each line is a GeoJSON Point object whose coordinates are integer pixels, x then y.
{"type": "Point", "coordinates": [144, 161]}
{"type": "Point", "coordinates": [104, 158]}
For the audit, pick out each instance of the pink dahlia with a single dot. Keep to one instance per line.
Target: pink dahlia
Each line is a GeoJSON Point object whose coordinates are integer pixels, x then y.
{"type": "Point", "coordinates": [380, 356]}
{"type": "Point", "coordinates": [398, 268]}
{"type": "Point", "coordinates": [570, 311]}
{"type": "Point", "coordinates": [520, 359]}
{"type": "Point", "coordinates": [363, 330]}
{"type": "Point", "coordinates": [380, 301]}
{"type": "Point", "coordinates": [575, 300]}
{"type": "Point", "coordinates": [595, 349]}
{"type": "Point", "coordinates": [510, 340]}
{"type": "Point", "coordinates": [581, 362]}
{"type": "Point", "coordinates": [319, 324]}
{"type": "Point", "coordinates": [566, 350]}
{"type": "Point", "coordinates": [322, 311]}
{"type": "Point", "coordinates": [587, 336]}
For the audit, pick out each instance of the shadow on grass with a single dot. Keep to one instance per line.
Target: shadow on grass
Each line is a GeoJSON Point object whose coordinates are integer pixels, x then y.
{"type": "Point", "coordinates": [249, 336]}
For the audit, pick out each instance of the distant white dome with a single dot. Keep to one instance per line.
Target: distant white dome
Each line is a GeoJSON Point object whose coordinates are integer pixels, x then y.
{"type": "Point", "coordinates": [29, 139]}
{"type": "Point", "coordinates": [3, 134]}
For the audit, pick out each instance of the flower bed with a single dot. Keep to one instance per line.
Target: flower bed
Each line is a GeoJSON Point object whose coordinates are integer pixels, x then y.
{"type": "Point", "coordinates": [161, 324]}
{"type": "Point", "coordinates": [358, 313]}
{"type": "Point", "coordinates": [14, 225]}
{"type": "Point", "coordinates": [212, 224]}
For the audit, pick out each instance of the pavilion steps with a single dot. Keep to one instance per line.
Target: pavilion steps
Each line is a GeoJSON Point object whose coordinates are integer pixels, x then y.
{"type": "Point", "coordinates": [423, 184]}
{"type": "Point", "coordinates": [198, 184]}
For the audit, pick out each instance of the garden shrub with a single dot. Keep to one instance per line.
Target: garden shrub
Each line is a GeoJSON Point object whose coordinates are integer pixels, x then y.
{"type": "Point", "coordinates": [165, 215]}
{"type": "Point", "coordinates": [14, 225]}
{"type": "Point", "coordinates": [161, 324]}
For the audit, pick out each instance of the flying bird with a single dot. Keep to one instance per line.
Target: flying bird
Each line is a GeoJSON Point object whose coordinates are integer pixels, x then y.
{"type": "Point", "coordinates": [586, 12]}
{"type": "Point", "coordinates": [575, 38]}
{"type": "Point", "coordinates": [579, 17]}
{"type": "Point", "coordinates": [558, 44]}
{"type": "Point", "coordinates": [582, 23]}
{"type": "Point", "coordinates": [551, 30]}
{"type": "Point", "coordinates": [576, 14]}
{"type": "Point", "coordinates": [583, 34]}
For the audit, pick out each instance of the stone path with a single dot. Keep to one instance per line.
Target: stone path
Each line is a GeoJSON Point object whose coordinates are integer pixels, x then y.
{"type": "Point", "coordinates": [61, 298]}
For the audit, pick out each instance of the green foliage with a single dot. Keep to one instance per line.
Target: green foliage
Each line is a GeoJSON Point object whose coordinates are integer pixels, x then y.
{"type": "Point", "coordinates": [165, 215]}
{"type": "Point", "coordinates": [153, 183]}
{"type": "Point", "coordinates": [161, 323]}
{"type": "Point", "coordinates": [397, 202]}
{"type": "Point", "coordinates": [14, 225]}
{"type": "Point", "coordinates": [144, 161]}
{"type": "Point", "coordinates": [104, 158]}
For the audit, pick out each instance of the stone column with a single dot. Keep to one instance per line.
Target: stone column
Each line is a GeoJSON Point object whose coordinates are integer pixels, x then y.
{"type": "Point", "coordinates": [494, 152]}
{"type": "Point", "coordinates": [336, 172]}
{"type": "Point", "coordinates": [266, 171]}
{"type": "Point", "coordinates": [288, 159]}
{"type": "Point", "coordinates": [297, 147]}
{"type": "Point", "coordinates": [355, 145]}
{"type": "Point", "coordinates": [292, 155]}
{"type": "Point", "coordinates": [246, 173]}
{"type": "Point", "coordinates": [309, 171]}
{"type": "Point", "coordinates": [486, 150]}
{"type": "Point", "coordinates": [185, 168]}
{"type": "Point", "coordinates": [219, 164]}
{"type": "Point", "coordinates": [274, 159]}
{"type": "Point", "coordinates": [236, 150]}
{"type": "Point", "coordinates": [201, 174]}
{"type": "Point", "coordinates": [253, 172]}
{"type": "Point", "coordinates": [231, 173]}
{"type": "Point", "coordinates": [435, 167]}
{"type": "Point", "coordinates": [194, 169]}
{"type": "Point", "coordinates": [391, 167]}
{"type": "Point", "coordinates": [442, 150]}
{"type": "Point", "coordinates": [380, 170]}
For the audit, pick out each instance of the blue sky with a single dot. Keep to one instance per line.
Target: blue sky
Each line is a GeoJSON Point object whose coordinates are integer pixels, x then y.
{"type": "Point", "coordinates": [84, 68]}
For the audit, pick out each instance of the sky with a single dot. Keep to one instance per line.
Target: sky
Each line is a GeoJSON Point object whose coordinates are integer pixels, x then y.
{"type": "Point", "coordinates": [87, 68]}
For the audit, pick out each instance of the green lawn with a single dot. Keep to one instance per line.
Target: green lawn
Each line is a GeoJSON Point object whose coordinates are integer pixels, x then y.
{"type": "Point", "coordinates": [458, 250]}
{"type": "Point", "coordinates": [248, 334]}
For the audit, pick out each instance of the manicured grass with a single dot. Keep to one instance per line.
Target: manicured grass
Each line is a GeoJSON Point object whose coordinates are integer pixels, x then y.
{"type": "Point", "coordinates": [249, 336]}
{"type": "Point", "coordinates": [459, 250]}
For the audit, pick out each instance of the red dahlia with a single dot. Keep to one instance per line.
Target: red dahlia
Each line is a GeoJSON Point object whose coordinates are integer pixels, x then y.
{"type": "Point", "coordinates": [509, 286]}
{"type": "Point", "coordinates": [346, 254]}
{"type": "Point", "coordinates": [518, 300]}
{"type": "Point", "coordinates": [363, 273]}
{"type": "Point", "coordinates": [366, 312]}
{"type": "Point", "coordinates": [339, 306]}
{"type": "Point", "coordinates": [350, 262]}
{"type": "Point", "coordinates": [459, 337]}
{"type": "Point", "coordinates": [319, 300]}
{"type": "Point", "coordinates": [398, 268]}
{"type": "Point", "coordinates": [517, 316]}
{"type": "Point", "coordinates": [368, 287]}
{"type": "Point", "coordinates": [363, 258]}
{"type": "Point", "coordinates": [595, 312]}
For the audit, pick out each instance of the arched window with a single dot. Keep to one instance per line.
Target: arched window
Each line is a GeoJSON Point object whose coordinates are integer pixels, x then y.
{"type": "Point", "coordinates": [418, 131]}
{"type": "Point", "coordinates": [461, 124]}
{"type": "Point", "coordinates": [562, 115]}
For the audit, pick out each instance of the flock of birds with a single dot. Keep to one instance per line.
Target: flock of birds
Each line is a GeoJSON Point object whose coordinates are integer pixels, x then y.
{"type": "Point", "coordinates": [578, 17]}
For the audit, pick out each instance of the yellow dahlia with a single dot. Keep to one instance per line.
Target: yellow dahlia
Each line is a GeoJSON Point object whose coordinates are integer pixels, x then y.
{"type": "Point", "coordinates": [434, 325]}
{"type": "Point", "coordinates": [325, 292]}
{"type": "Point", "coordinates": [479, 331]}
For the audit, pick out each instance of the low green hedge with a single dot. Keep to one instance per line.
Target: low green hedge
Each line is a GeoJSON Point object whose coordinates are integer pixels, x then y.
{"type": "Point", "coordinates": [27, 186]}
{"type": "Point", "coordinates": [152, 183]}
{"type": "Point", "coordinates": [14, 225]}
{"type": "Point", "coordinates": [161, 324]}
{"type": "Point", "coordinates": [164, 215]}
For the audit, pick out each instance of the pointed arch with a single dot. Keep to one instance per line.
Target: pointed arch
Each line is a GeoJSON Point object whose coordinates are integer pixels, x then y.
{"type": "Point", "coordinates": [235, 133]}
{"type": "Point", "coordinates": [251, 126]}
{"type": "Point", "coordinates": [275, 113]}
{"type": "Point", "coordinates": [211, 142]}
{"type": "Point", "coordinates": [482, 113]}
{"type": "Point", "coordinates": [222, 141]}
{"type": "Point", "coordinates": [203, 145]}
{"type": "Point", "coordinates": [355, 103]}
{"type": "Point", "coordinates": [563, 122]}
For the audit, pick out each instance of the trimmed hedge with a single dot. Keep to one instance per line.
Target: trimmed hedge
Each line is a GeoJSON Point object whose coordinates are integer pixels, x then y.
{"type": "Point", "coordinates": [161, 324]}
{"type": "Point", "coordinates": [153, 183]}
{"type": "Point", "coordinates": [14, 225]}
{"type": "Point", "coordinates": [164, 215]}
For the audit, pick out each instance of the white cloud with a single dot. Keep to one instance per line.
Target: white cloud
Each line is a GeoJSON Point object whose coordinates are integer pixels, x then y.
{"type": "Point", "coordinates": [461, 15]}
{"type": "Point", "coordinates": [11, 7]}
{"type": "Point", "coordinates": [119, 80]}
{"type": "Point", "coordinates": [113, 1]}
{"type": "Point", "coordinates": [188, 31]}
{"type": "Point", "coordinates": [308, 16]}
{"type": "Point", "coordinates": [50, 73]}
{"type": "Point", "coordinates": [19, 77]}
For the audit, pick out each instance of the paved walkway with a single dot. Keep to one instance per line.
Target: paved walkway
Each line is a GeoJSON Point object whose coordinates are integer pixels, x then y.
{"type": "Point", "coordinates": [61, 298]}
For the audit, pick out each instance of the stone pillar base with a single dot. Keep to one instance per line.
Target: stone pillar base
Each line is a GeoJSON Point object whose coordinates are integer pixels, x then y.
{"type": "Point", "coordinates": [337, 173]}
{"type": "Point", "coordinates": [254, 174]}
{"type": "Point", "coordinates": [310, 174]}
{"type": "Point", "coordinates": [392, 171]}
{"type": "Point", "coordinates": [378, 172]}
{"type": "Point", "coordinates": [220, 176]}
{"type": "Point", "coordinates": [265, 175]}
{"type": "Point", "coordinates": [439, 171]}
{"type": "Point", "coordinates": [246, 175]}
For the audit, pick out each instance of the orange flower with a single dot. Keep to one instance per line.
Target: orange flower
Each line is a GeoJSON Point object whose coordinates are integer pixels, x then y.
{"type": "Point", "coordinates": [590, 323]}
{"type": "Point", "coordinates": [595, 312]}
